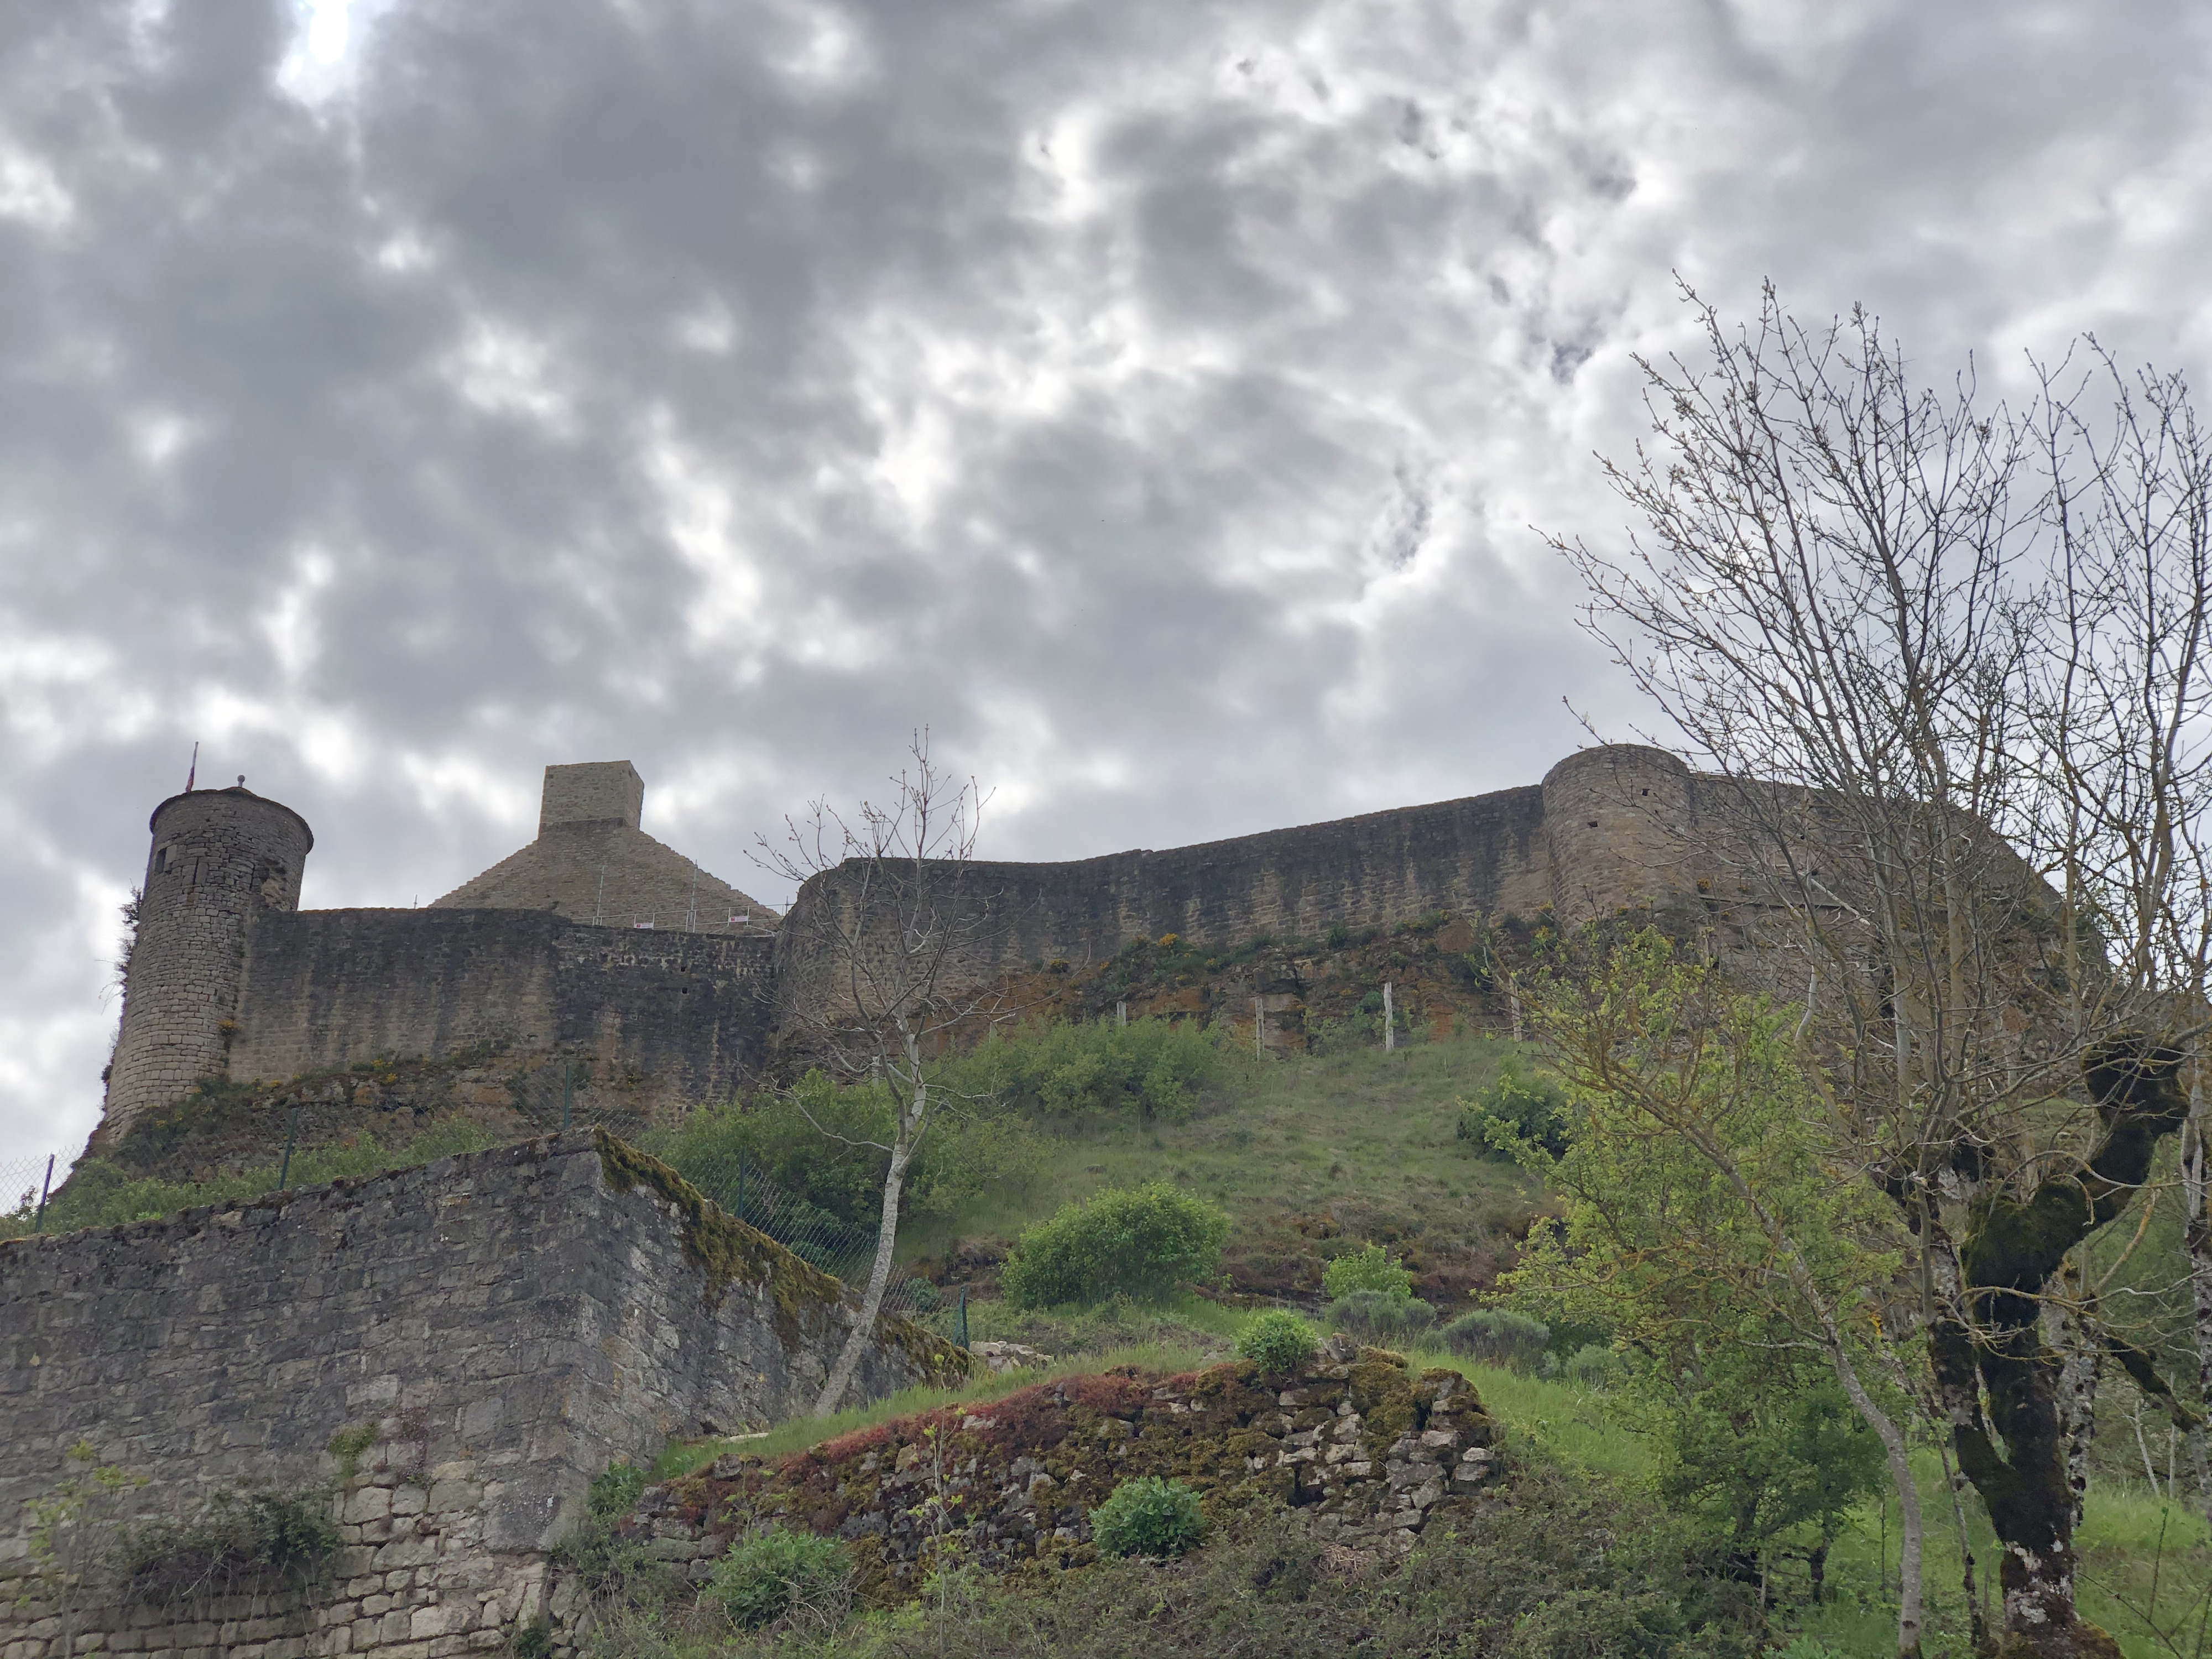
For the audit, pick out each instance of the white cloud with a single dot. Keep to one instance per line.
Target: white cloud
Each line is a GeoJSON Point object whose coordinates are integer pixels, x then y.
{"type": "Point", "coordinates": [1153, 399]}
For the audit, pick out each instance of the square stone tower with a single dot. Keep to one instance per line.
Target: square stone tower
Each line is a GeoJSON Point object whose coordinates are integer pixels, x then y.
{"type": "Point", "coordinates": [592, 792]}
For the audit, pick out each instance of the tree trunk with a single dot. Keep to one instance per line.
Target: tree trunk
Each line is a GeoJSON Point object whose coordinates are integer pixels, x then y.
{"type": "Point", "coordinates": [1909, 1530]}
{"type": "Point", "coordinates": [2197, 1236]}
{"type": "Point", "coordinates": [879, 1277]}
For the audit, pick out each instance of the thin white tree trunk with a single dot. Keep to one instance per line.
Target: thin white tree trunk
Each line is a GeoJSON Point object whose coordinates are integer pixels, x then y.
{"type": "Point", "coordinates": [1910, 1527]}
{"type": "Point", "coordinates": [879, 1277]}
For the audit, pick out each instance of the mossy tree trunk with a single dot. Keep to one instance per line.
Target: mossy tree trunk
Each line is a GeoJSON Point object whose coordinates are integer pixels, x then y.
{"type": "Point", "coordinates": [2003, 1384]}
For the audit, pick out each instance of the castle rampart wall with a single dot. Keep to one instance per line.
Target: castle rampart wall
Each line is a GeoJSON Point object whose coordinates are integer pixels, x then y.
{"type": "Point", "coordinates": [1484, 853]}
{"type": "Point", "coordinates": [1610, 827]}
{"type": "Point", "coordinates": [329, 988]}
{"type": "Point", "coordinates": [496, 1328]}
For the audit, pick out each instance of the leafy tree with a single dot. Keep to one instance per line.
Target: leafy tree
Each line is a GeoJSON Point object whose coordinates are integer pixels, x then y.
{"type": "Point", "coordinates": [1705, 1223]}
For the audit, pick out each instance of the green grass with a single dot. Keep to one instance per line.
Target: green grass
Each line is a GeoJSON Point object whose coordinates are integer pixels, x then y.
{"type": "Point", "coordinates": [1306, 1153]}
{"type": "Point", "coordinates": [99, 1194]}
{"type": "Point", "coordinates": [2139, 1553]}
{"type": "Point", "coordinates": [1565, 1422]}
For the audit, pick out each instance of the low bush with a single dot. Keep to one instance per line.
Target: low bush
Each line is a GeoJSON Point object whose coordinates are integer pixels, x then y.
{"type": "Point", "coordinates": [612, 1569]}
{"type": "Point", "coordinates": [1148, 1516]}
{"type": "Point", "coordinates": [1137, 1241]}
{"type": "Point", "coordinates": [1378, 1316]}
{"type": "Point", "coordinates": [1515, 1111]}
{"type": "Point", "coordinates": [1094, 1072]}
{"type": "Point", "coordinates": [1371, 1269]}
{"type": "Point", "coordinates": [815, 1142]}
{"type": "Point", "coordinates": [1575, 1567]}
{"type": "Point", "coordinates": [1279, 1342]}
{"type": "Point", "coordinates": [234, 1539]}
{"type": "Point", "coordinates": [1499, 1336]}
{"type": "Point", "coordinates": [776, 1573]}
{"type": "Point", "coordinates": [1591, 1366]}
{"type": "Point", "coordinates": [614, 1491]}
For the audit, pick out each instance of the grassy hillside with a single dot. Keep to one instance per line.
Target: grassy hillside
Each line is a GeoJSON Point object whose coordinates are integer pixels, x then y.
{"type": "Point", "coordinates": [1307, 1153]}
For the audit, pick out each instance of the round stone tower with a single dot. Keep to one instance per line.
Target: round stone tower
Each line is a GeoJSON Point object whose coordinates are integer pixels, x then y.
{"type": "Point", "coordinates": [220, 857]}
{"type": "Point", "coordinates": [1619, 821]}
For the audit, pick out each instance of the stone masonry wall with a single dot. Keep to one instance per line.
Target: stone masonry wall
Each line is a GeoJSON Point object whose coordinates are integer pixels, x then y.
{"type": "Point", "coordinates": [1483, 854]}
{"type": "Point", "coordinates": [1365, 1450]}
{"type": "Point", "coordinates": [496, 1329]}
{"type": "Point", "coordinates": [592, 792]}
{"type": "Point", "coordinates": [1608, 827]}
{"type": "Point", "coordinates": [323, 988]}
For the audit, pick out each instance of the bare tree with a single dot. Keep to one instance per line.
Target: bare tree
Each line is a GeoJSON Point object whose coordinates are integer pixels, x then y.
{"type": "Point", "coordinates": [1843, 606]}
{"type": "Point", "coordinates": [885, 943]}
{"type": "Point", "coordinates": [2123, 705]}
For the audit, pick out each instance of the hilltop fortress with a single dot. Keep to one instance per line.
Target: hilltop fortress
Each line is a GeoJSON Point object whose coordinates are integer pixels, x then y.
{"type": "Point", "coordinates": [598, 941]}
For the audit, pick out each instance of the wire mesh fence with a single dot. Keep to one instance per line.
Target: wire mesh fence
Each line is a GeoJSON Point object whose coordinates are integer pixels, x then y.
{"type": "Point", "coordinates": [838, 1247]}
{"type": "Point", "coordinates": [25, 1185]}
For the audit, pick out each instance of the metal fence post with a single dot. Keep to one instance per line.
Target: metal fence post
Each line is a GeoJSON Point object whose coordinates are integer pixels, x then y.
{"type": "Point", "coordinates": [741, 1183]}
{"type": "Point", "coordinates": [963, 1316]}
{"type": "Point", "coordinates": [39, 1221]}
{"type": "Point", "coordinates": [285, 1169]}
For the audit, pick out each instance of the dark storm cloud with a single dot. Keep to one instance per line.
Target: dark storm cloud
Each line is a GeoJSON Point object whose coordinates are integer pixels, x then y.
{"type": "Point", "coordinates": [1153, 398]}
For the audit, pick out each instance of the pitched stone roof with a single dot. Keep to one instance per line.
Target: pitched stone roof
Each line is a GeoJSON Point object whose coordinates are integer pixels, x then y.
{"type": "Point", "coordinates": [605, 869]}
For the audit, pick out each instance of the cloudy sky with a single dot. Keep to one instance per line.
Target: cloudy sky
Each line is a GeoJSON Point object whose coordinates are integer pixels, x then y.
{"type": "Point", "coordinates": [1153, 397]}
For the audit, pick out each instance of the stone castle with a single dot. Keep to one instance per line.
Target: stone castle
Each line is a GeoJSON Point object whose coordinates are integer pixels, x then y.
{"type": "Point", "coordinates": [597, 940]}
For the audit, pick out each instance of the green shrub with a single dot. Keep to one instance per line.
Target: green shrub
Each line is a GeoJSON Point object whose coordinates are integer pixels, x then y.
{"type": "Point", "coordinates": [1279, 1342]}
{"type": "Point", "coordinates": [813, 1141]}
{"type": "Point", "coordinates": [1372, 1269]}
{"type": "Point", "coordinates": [614, 1491]}
{"type": "Point", "coordinates": [1592, 1366]}
{"type": "Point", "coordinates": [1091, 1071]}
{"type": "Point", "coordinates": [1499, 1336]}
{"type": "Point", "coordinates": [1378, 1316]}
{"type": "Point", "coordinates": [1516, 1110]}
{"type": "Point", "coordinates": [1137, 1241]}
{"type": "Point", "coordinates": [1148, 1516]}
{"type": "Point", "coordinates": [776, 1572]}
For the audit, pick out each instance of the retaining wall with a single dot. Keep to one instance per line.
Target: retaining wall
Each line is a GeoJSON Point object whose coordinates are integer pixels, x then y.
{"type": "Point", "coordinates": [496, 1328]}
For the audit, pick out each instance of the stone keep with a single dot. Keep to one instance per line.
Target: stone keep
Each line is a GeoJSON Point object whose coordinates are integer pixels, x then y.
{"type": "Point", "coordinates": [221, 858]}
